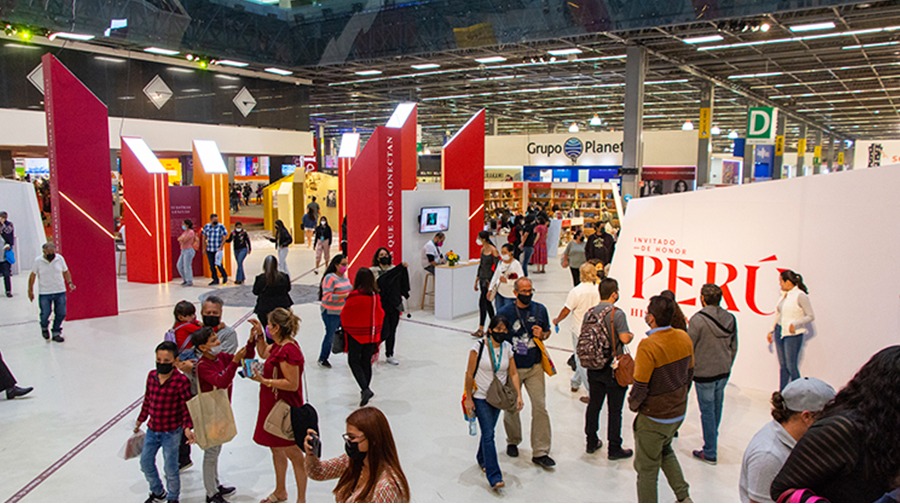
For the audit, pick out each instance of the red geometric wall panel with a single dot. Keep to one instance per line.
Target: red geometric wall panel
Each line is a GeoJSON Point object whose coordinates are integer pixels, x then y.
{"type": "Point", "coordinates": [409, 132]}
{"type": "Point", "coordinates": [462, 167]}
{"type": "Point", "coordinates": [146, 212]}
{"type": "Point", "coordinates": [211, 175]}
{"type": "Point", "coordinates": [80, 190]}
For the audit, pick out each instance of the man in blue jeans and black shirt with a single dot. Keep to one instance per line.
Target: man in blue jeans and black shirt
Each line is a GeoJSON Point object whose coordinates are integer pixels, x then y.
{"type": "Point", "coordinates": [714, 334]}
{"type": "Point", "coordinates": [528, 320]}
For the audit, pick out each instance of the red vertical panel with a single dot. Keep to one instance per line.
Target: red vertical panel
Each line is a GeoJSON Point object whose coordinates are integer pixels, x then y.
{"type": "Point", "coordinates": [78, 141]}
{"type": "Point", "coordinates": [409, 155]}
{"type": "Point", "coordinates": [363, 204]}
{"type": "Point", "coordinates": [462, 167]}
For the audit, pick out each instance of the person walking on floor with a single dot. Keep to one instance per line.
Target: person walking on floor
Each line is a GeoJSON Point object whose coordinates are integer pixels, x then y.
{"type": "Point", "coordinates": [7, 241]}
{"type": "Point", "coordinates": [539, 259]}
{"type": "Point", "coordinates": [393, 288]}
{"type": "Point", "coordinates": [480, 373]}
{"type": "Point", "coordinates": [369, 470]}
{"type": "Point", "coordinates": [313, 207]}
{"type": "Point", "coordinates": [52, 274]}
{"type": "Point", "coordinates": [528, 236]}
{"type": "Point", "coordinates": [794, 410]}
{"type": "Point", "coordinates": [165, 404]}
{"type": "Point", "coordinates": [8, 383]}
{"type": "Point", "coordinates": [487, 264]}
{"type": "Point", "coordinates": [309, 226]}
{"type": "Point", "coordinates": [528, 322]}
{"type": "Point", "coordinates": [362, 318]}
{"type": "Point", "coordinates": [792, 318]}
{"type": "Point", "coordinates": [282, 239]}
{"type": "Point", "coordinates": [280, 381]}
{"type": "Point", "coordinates": [580, 299]}
{"type": "Point", "coordinates": [605, 319]}
{"type": "Point", "coordinates": [272, 290]}
{"type": "Point", "coordinates": [215, 370]}
{"type": "Point", "coordinates": [215, 232]}
{"type": "Point", "coordinates": [189, 243]}
{"type": "Point", "coordinates": [573, 257]}
{"type": "Point", "coordinates": [333, 291]}
{"type": "Point", "coordinates": [323, 242]}
{"type": "Point", "coordinates": [663, 366]}
{"type": "Point", "coordinates": [241, 249]}
{"type": "Point", "coordinates": [507, 271]}
{"type": "Point", "coordinates": [714, 333]}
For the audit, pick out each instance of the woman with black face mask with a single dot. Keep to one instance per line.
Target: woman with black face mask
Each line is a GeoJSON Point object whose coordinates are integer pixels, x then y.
{"type": "Point", "coordinates": [369, 470]}
{"type": "Point", "coordinates": [393, 284]}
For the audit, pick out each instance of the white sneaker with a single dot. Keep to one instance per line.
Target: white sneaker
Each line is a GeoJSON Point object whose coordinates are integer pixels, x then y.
{"type": "Point", "coordinates": [392, 361]}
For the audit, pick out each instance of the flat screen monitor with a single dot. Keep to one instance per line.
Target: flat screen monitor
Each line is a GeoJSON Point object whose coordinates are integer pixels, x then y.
{"type": "Point", "coordinates": [434, 219]}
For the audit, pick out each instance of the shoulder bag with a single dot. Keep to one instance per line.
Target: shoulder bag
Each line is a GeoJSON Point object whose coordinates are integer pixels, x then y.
{"type": "Point", "coordinates": [623, 365]}
{"type": "Point", "coordinates": [499, 395]}
{"type": "Point", "coordinates": [212, 417]}
{"type": "Point", "coordinates": [284, 420]}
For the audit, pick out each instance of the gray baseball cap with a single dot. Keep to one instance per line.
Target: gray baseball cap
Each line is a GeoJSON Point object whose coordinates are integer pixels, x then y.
{"type": "Point", "coordinates": [807, 394]}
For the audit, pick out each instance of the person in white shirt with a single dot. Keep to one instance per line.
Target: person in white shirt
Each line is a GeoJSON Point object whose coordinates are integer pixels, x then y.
{"type": "Point", "coordinates": [489, 357]}
{"type": "Point", "coordinates": [794, 410]}
{"type": "Point", "coordinates": [53, 275]}
{"type": "Point", "coordinates": [501, 290]}
{"type": "Point", "coordinates": [582, 298]}
{"type": "Point", "coordinates": [433, 254]}
{"type": "Point", "coordinates": [792, 319]}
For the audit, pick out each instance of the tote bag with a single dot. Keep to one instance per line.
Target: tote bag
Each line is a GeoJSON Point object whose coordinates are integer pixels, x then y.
{"type": "Point", "coordinates": [213, 419]}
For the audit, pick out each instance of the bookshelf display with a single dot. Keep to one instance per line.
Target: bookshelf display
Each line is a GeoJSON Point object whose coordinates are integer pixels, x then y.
{"type": "Point", "coordinates": [499, 195]}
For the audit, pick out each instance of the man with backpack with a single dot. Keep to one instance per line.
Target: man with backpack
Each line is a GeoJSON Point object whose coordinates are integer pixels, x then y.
{"type": "Point", "coordinates": [714, 333]}
{"type": "Point", "coordinates": [604, 334]}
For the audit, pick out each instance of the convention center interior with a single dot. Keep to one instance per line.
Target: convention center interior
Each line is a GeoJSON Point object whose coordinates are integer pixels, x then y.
{"type": "Point", "coordinates": [449, 251]}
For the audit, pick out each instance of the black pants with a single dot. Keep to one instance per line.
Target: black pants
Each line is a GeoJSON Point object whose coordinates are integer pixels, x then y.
{"type": "Point", "coordinates": [5, 270]}
{"type": "Point", "coordinates": [7, 380]}
{"type": "Point", "coordinates": [576, 276]}
{"type": "Point", "coordinates": [211, 257]}
{"type": "Point", "coordinates": [485, 307]}
{"type": "Point", "coordinates": [603, 385]}
{"type": "Point", "coordinates": [359, 357]}
{"type": "Point", "coordinates": [389, 330]}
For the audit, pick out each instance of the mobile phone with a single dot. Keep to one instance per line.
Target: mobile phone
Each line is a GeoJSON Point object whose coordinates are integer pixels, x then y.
{"type": "Point", "coordinates": [250, 367]}
{"type": "Point", "coordinates": [316, 444]}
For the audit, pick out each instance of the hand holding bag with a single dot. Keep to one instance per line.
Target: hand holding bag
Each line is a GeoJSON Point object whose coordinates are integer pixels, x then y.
{"type": "Point", "coordinates": [213, 418]}
{"type": "Point", "coordinates": [623, 365]}
{"type": "Point", "coordinates": [338, 341]}
{"type": "Point", "coordinates": [134, 446]}
{"type": "Point", "coordinates": [10, 257]}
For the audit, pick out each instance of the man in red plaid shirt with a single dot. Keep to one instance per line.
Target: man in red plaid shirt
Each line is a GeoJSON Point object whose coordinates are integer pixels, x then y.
{"type": "Point", "coordinates": [165, 403]}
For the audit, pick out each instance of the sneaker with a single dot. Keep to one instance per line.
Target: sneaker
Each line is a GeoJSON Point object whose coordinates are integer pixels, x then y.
{"type": "Point", "coordinates": [699, 455]}
{"type": "Point", "coordinates": [619, 454]}
{"type": "Point", "coordinates": [325, 364]}
{"type": "Point", "coordinates": [585, 399]}
{"type": "Point", "coordinates": [545, 461]}
{"type": "Point", "coordinates": [214, 282]}
{"type": "Point", "coordinates": [593, 446]}
{"type": "Point", "coordinates": [686, 499]}
{"type": "Point", "coordinates": [156, 497]}
{"type": "Point", "coordinates": [365, 396]}
{"type": "Point", "coordinates": [9, 294]}
{"type": "Point", "coordinates": [512, 450]}
{"type": "Point", "coordinates": [225, 491]}
{"type": "Point", "coordinates": [224, 280]}
{"type": "Point", "coordinates": [189, 284]}
{"type": "Point", "coordinates": [571, 362]}
{"type": "Point", "coordinates": [216, 498]}
{"type": "Point", "coordinates": [574, 389]}
{"type": "Point", "coordinates": [184, 466]}
{"type": "Point", "coordinates": [45, 333]}
{"type": "Point", "coordinates": [58, 338]}
{"type": "Point", "coordinates": [315, 272]}
{"type": "Point", "coordinates": [393, 361]}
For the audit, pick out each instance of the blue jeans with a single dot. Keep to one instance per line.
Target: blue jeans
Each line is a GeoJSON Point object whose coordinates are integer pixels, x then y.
{"type": "Point", "coordinates": [526, 258]}
{"type": "Point", "coordinates": [185, 265]}
{"type": "Point", "coordinates": [788, 351]}
{"type": "Point", "coordinates": [500, 302]}
{"type": "Point", "coordinates": [168, 441]}
{"type": "Point", "coordinates": [332, 322]}
{"type": "Point", "coordinates": [487, 450]}
{"type": "Point", "coordinates": [240, 255]}
{"type": "Point", "coordinates": [711, 396]}
{"type": "Point", "coordinates": [55, 303]}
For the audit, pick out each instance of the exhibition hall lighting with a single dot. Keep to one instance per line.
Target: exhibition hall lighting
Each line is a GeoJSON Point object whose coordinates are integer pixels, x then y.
{"type": "Point", "coordinates": [349, 145]}
{"type": "Point", "coordinates": [687, 126]}
{"type": "Point", "coordinates": [231, 63]}
{"type": "Point", "coordinates": [596, 121]}
{"type": "Point", "coordinates": [574, 128]}
{"type": "Point", "coordinates": [161, 51]}
{"type": "Point", "coordinates": [755, 75]}
{"type": "Point", "coordinates": [366, 73]}
{"type": "Point", "coordinates": [828, 25]}
{"type": "Point", "coordinates": [564, 52]}
{"type": "Point", "coordinates": [71, 36]}
{"type": "Point", "coordinates": [278, 71]}
{"type": "Point", "coordinates": [715, 130]}
{"type": "Point", "coordinates": [490, 59]}
{"type": "Point", "coordinates": [868, 46]}
{"type": "Point", "coordinates": [804, 38]}
{"type": "Point", "coordinates": [733, 134]}
{"type": "Point", "coordinates": [25, 35]}
{"type": "Point", "coordinates": [425, 66]}
{"type": "Point", "coordinates": [764, 27]}
{"type": "Point", "coordinates": [703, 39]}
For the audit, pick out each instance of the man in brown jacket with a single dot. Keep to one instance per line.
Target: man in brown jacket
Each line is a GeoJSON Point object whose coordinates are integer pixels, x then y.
{"type": "Point", "coordinates": [663, 367]}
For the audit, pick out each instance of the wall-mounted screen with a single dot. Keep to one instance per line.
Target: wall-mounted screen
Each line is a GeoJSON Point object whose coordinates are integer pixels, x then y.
{"type": "Point", "coordinates": [434, 219]}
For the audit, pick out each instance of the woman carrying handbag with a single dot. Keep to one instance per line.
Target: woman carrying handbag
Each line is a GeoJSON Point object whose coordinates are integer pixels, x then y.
{"type": "Point", "coordinates": [483, 373]}
{"type": "Point", "coordinates": [280, 381]}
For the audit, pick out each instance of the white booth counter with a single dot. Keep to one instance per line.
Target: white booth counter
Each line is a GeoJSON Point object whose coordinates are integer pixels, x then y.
{"type": "Point", "coordinates": [454, 291]}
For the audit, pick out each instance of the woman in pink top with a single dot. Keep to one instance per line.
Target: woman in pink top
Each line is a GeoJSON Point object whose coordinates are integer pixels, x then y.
{"type": "Point", "coordinates": [188, 242]}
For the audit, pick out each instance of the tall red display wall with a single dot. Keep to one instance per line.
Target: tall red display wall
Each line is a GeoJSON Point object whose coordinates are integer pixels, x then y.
{"type": "Point", "coordinates": [462, 167]}
{"type": "Point", "coordinates": [80, 191]}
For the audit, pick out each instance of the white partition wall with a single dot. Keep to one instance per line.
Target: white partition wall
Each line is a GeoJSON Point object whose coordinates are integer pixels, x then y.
{"type": "Point", "coordinates": [741, 236]}
{"type": "Point", "coordinates": [18, 200]}
{"type": "Point", "coordinates": [414, 242]}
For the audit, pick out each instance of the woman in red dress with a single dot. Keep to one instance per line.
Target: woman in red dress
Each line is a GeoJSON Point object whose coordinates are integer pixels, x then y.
{"type": "Point", "coordinates": [539, 258]}
{"type": "Point", "coordinates": [280, 380]}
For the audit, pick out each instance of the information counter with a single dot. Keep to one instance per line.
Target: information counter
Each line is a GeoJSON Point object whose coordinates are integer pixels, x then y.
{"type": "Point", "coordinates": [454, 291]}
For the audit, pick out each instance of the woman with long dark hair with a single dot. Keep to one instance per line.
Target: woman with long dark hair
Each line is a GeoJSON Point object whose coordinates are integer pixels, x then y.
{"type": "Point", "coordinates": [851, 453]}
{"type": "Point", "coordinates": [333, 291]}
{"type": "Point", "coordinates": [369, 471]}
{"type": "Point", "coordinates": [362, 318]}
{"type": "Point", "coordinates": [323, 241]}
{"type": "Point", "coordinates": [792, 318]}
{"type": "Point", "coordinates": [488, 263]}
{"type": "Point", "coordinates": [393, 288]}
{"type": "Point", "coordinates": [282, 239]}
{"type": "Point", "coordinates": [272, 290]}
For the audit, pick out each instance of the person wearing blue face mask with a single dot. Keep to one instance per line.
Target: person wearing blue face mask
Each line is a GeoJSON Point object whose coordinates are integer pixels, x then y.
{"type": "Point", "coordinates": [369, 470]}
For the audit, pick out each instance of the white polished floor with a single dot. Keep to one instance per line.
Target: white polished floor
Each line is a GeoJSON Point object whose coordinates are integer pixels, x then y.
{"type": "Point", "coordinates": [99, 371]}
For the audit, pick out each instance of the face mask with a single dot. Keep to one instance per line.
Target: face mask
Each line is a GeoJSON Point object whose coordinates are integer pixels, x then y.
{"type": "Point", "coordinates": [50, 257]}
{"type": "Point", "coordinates": [238, 229]}
{"type": "Point", "coordinates": [216, 350]}
{"type": "Point", "coordinates": [184, 227]}
{"type": "Point", "coordinates": [215, 222]}
{"type": "Point", "coordinates": [498, 337]}
{"type": "Point", "coordinates": [384, 260]}
{"type": "Point", "coordinates": [478, 242]}
{"type": "Point", "coordinates": [505, 257]}
{"type": "Point", "coordinates": [440, 243]}
{"type": "Point", "coordinates": [212, 320]}
{"type": "Point", "coordinates": [352, 450]}
{"type": "Point", "coordinates": [525, 299]}
{"type": "Point", "coordinates": [342, 269]}
{"type": "Point", "coordinates": [322, 223]}
{"type": "Point", "coordinates": [164, 369]}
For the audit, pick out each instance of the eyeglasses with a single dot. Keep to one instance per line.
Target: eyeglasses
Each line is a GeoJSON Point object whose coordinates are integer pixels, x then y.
{"type": "Point", "coordinates": [351, 439]}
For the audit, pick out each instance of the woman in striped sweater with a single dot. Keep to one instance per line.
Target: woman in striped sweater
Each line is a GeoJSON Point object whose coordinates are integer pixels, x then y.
{"type": "Point", "coordinates": [333, 291]}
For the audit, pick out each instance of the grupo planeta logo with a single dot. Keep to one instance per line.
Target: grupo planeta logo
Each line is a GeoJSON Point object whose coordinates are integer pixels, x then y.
{"type": "Point", "coordinates": [573, 148]}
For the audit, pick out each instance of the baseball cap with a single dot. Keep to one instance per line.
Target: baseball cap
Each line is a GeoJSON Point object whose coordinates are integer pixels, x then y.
{"type": "Point", "coordinates": [807, 394]}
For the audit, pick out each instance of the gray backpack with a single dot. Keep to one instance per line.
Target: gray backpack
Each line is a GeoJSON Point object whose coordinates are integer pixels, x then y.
{"type": "Point", "coordinates": [594, 350]}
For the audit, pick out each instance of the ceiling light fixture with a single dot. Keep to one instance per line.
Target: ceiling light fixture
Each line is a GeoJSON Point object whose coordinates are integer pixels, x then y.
{"type": "Point", "coordinates": [715, 130]}
{"type": "Point", "coordinates": [596, 121]}
{"type": "Point", "coordinates": [564, 52]}
{"type": "Point", "coordinates": [490, 59]}
{"type": "Point", "coordinates": [687, 126]}
{"type": "Point", "coordinates": [869, 46]}
{"type": "Point", "coordinates": [367, 73]}
{"type": "Point", "coordinates": [828, 25]}
{"type": "Point", "coordinates": [71, 36]}
{"type": "Point", "coordinates": [702, 40]}
{"type": "Point", "coordinates": [574, 128]}
{"type": "Point", "coordinates": [804, 38]}
{"type": "Point", "coordinates": [764, 27]}
{"type": "Point", "coordinates": [233, 63]}
{"type": "Point", "coordinates": [425, 66]}
{"type": "Point", "coordinates": [733, 134]}
{"type": "Point", "coordinates": [161, 51]}
{"type": "Point", "coordinates": [755, 76]}
{"type": "Point", "coordinates": [108, 59]}
{"type": "Point", "coordinates": [278, 71]}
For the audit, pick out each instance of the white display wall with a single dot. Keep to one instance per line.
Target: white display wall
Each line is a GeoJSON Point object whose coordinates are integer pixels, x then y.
{"type": "Point", "coordinates": [890, 152]}
{"type": "Point", "coordinates": [745, 234]}
{"type": "Point", "coordinates": [17, 199]}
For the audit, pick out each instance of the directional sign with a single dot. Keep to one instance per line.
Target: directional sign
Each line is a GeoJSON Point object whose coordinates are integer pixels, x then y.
{"type": "Point", "coordinates": [817, 155]}
{"type": "Point", "coordinates": [36, 78]}
{"type": "Point", "coordinates": [244, 101]}
{"type": "Point", "coordinates": [801, 146]}
{"type": "Point", "coordinates": [840, 158]}
{"type": "Point", "coordinates": [158, 92]}
{"type": "Point", "coordinates": [705, 122]}
{"type": "Point", "coordinates": [779, 145]}
{"type": "Point", "coordinates": [761, 123]}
